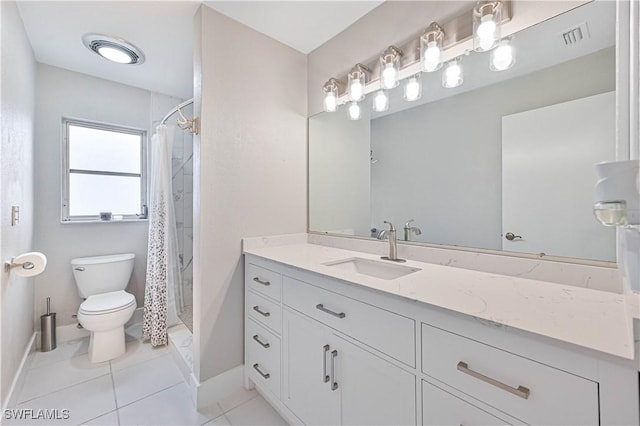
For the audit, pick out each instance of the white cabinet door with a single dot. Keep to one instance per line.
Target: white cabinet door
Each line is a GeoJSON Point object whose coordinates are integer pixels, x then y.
{"type": "Point", "coordinates": [307, 350]}
{"type": "Point", "coordinates": [374, 391]}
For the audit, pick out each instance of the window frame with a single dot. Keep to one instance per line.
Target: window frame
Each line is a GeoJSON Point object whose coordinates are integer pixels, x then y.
{"type": "Point", "coordinates": [65, 192]}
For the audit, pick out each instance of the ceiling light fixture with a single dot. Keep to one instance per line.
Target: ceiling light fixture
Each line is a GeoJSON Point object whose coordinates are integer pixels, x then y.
{"type": "Point", "coordinates": [452, 75]}
{"type": "Point", "coordinates": [357, 82]}
{"type": "Point", "coordinates": [114, 49]}
{"type": "Point", "coordinates": [431, 48]}
{"type": "Point", "coordinates": [380, 101]}
{"type": "Point", "coordinates": [487, 19]}
{"type": "Point", "coordinates": [389, 67]}
{"type": "Point", "coordinates": [354, 111]}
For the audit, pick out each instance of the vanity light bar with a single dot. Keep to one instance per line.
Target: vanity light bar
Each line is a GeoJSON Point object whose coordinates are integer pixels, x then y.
{"type": "Point", "coordinates": [456, 37]}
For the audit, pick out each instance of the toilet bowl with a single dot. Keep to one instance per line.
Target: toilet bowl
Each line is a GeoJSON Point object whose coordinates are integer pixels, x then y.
{"type": "Point", "coordinates": [101, 281]}
{"type": "Point", "coordinates": [105, 315]}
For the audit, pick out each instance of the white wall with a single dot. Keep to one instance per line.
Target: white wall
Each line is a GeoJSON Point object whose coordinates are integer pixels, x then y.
{"type": "Point", "coordinates": [16, 183]}
{"type": "Point", "coordinates": [441, 163]}
{"type": "Point", "coordinates": [249, 171]}
{"type": "Point", "coordinates": [339, 164]}
{"type": "Point", "coordinates": [62, 93]}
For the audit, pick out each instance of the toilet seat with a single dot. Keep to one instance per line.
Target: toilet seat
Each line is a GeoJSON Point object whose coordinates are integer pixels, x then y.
{"type": "Point", "coordinates": [106, 303]}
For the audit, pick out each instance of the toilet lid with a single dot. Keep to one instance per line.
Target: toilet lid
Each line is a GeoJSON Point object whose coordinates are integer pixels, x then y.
{"type": "Point", "coordinates": [107, 302]}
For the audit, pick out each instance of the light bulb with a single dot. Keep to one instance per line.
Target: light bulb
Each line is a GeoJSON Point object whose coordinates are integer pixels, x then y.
{"type": "Point", "coordinates": [389, 76]}
{"type": "Point", "coordinates": [115, 55]}
{"type": "Point", "coordinates": [412, 89]}
{"type": "Point", "coordinates": [502, 57]}
{"type": "Point", "coordinates": [487, 32]}
{"type": "Point", "coordinates": [452, 76]}
{"type": "Point", "coordinates": [380, 101]}
{"type": "Point", "coordinates": [432, 57]}
{"type": "Point", "coordinates": [356, 90]}
{"type": "Point", "coordinates": [330, 102]}
{"type": "Point", "coordinates": [354, 111]}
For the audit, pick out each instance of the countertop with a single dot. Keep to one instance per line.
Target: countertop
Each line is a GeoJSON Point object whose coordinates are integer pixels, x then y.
{"type": "Point", "coordinates": [593, 319]}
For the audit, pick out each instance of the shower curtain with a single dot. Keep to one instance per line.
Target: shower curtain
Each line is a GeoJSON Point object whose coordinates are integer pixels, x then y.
{"type": "Point", "coordinates": [162, 303]}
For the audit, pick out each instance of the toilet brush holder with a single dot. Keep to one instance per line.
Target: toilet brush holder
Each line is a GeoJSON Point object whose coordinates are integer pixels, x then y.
{"type": "Point", "coordinates": [48, 329]}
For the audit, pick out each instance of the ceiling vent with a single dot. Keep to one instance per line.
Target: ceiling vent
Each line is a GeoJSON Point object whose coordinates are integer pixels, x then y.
{"type": "Point", "coordinates": [575, 35]}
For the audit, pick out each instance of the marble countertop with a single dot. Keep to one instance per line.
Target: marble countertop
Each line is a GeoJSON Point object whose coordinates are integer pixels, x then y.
{"type": "Point", "coordinates": [593, 319]}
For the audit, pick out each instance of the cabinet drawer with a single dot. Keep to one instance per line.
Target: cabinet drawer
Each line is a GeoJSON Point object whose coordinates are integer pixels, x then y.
{"type": "Point", "coordinates": [263, 280]}
{"type": "Point", "coordinates": [440, 408]}
{"type": "Point", "coordinates": [525, 389]}
{"type": "Point", "coordinates": [265, 311]}
{"type": "Point", "coordinates": [263, 355]}
{"type": "Point", "coordinates": [390, 333]}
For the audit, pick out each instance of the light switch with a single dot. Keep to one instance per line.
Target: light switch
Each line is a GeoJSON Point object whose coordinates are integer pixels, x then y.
{"type": "Point", "coordinates": [15, 215]}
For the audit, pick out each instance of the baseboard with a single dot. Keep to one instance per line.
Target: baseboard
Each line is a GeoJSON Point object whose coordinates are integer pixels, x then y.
{"type": "Point", "coordinates": [216, 388]}
{"type": "Point", "coordinates": [18, 379]}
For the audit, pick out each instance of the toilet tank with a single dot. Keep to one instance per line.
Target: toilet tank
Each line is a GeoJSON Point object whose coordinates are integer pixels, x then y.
{"type": "Point", "coordinates": [102, 274]}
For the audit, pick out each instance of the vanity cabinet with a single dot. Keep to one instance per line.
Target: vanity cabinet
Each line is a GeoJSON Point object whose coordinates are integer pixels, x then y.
{"type": "Point", "coordinates": [325, 351]}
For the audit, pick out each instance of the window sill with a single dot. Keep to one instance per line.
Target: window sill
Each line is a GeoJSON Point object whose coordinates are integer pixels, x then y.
{"type": "Point", "coordinates": [78, 222]}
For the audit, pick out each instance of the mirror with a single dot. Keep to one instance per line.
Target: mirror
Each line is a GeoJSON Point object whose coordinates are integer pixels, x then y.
{"type": "Point", "coordinates": [503, 162]}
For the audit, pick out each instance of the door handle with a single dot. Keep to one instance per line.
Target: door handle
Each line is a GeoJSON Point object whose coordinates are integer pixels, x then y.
{"type": "Point", "coordinates": [325, 378]}
{"type": "Point", "coordinates": [334, 383]}
{"type": "Point", "coordinates": [259, 281]}
{"type": "Point", "coordinates": [257, 368]}
{"type": "Point", "coordinates": [321, 307]}
{"type": "Point", "coordinates": [264, 345]}
{"type": "Point", "coordinates": [511, 236]}
{"type": "Point", "coordinates": [520, 391]}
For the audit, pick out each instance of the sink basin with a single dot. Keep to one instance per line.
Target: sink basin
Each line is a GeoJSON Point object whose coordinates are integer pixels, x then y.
{"type": "Point", "coordinates": [372, 268]}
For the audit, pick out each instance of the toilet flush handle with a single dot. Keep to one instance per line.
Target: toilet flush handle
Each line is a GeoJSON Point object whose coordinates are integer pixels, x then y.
{"type": "Point", "coordinates": [79, 268]}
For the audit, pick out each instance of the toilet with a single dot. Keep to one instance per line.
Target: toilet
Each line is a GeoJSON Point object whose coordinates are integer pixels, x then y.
{"type": "Point", "coordinates": [101, 281]}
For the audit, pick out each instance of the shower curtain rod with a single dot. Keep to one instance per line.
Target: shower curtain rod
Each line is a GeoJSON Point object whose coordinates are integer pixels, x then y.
{"type": "Point", "coordinates": [191, 124]}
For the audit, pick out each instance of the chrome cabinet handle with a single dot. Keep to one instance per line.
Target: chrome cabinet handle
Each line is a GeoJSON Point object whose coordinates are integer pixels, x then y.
{"type": "Point", "coordinates": [325, 349]}
{"type": "Point", "coordinates": [520, 391]}
{"type": "Point", "coordinates": [511, 236]}
{"type": "Point", "coordinates": [257, 368]}
{"type": "Point", "coordinates": [79, 268]}
{"type": "Point", "coordinates": [334, 383]}
{"type": "Point", "coordinates": [264, 314]}
{"type": "Point", "coordinates": [259, 281]}
{"type": "Point", "coordinates": [321, 307]}
{"type": "Point", "coordinates": [264, 345]}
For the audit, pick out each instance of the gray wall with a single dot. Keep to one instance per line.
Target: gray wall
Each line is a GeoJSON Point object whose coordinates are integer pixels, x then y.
{"type": "Point", "coordinates": [17, 188]}
{"type": "Point", "coordinates": [441, 163]}
{"type": "Point", "coordinates": [249, 171]}
{"type": "Point", "coordinates": [62, 93]}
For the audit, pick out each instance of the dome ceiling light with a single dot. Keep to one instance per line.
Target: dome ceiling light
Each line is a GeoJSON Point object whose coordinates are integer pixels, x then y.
{"type": "Point", "coordinates": [114, 49]}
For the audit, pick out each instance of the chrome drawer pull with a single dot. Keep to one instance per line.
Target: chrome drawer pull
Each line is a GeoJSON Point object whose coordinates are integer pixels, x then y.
{"type": "Point", "coordinates": [334, 384]}
{"type": "Point", "coordinates": [264, 314]}
{"type": "Point", "coordinates": [259, 281]}
{"type": "Point", "coordinates": [329, 311]}
{"type": "Point", "coordinates": [265, 375]}
{"type": "Point", "coordinates": [264, 345]}
{"type": "Point", "coordinates": [521, 391]}
{"type": "Point", "coordinates": [325, 378]}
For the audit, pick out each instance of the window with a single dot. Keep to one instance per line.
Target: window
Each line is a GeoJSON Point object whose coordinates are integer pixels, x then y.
{"type": "Point", "coordinates": [103, 171]}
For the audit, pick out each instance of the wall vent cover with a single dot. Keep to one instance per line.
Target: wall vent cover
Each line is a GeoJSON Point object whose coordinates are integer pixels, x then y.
{"type": "Point", "coordinates": [575, 35]}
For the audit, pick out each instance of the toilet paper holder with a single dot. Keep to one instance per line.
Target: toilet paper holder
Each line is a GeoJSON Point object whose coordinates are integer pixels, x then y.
{"type": "Point", "coordinates": [11, 264]}
{"type": "Point", "coordinates": [27, 264]}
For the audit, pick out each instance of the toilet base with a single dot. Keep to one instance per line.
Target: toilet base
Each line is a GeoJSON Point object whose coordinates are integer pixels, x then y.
{"type": "Point", "coordinates": [106, 345]}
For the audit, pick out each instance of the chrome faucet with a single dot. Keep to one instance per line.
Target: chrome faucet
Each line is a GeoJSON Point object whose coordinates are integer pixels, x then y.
{"type": "Point", "coordinates": [390, 234]}
{"type": "Point", "coordinates": [408, 229]}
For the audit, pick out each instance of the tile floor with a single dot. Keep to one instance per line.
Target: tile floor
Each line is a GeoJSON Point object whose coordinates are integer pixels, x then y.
{"type": "Point", "coordinates": [142, 387]}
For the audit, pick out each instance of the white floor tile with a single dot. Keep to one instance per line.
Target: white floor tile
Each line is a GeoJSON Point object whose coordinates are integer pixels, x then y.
{"type": "Point", "coordinates": [137, 351]}
{"type": "Point", "coordinates": [110, 419]}
{"type": "Point", "coordinates": [133, 332]}
{"type": "Point", "coordinates": [64, 351]}
{"type": "Point", "coordinates": [59, 375]}
{"type": "Point", "coordinates": [145, 378]}
{"type": "Point", "coordinates": [218, 421]}
{"type": "Point", "coordinates": [172, 406]}
{"type": "Point", "coordinates": [237, 398]}
{"type": "Point", "coordinates": [84, 401]}
{"type": "Point", "coordinates": [255, 412]}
